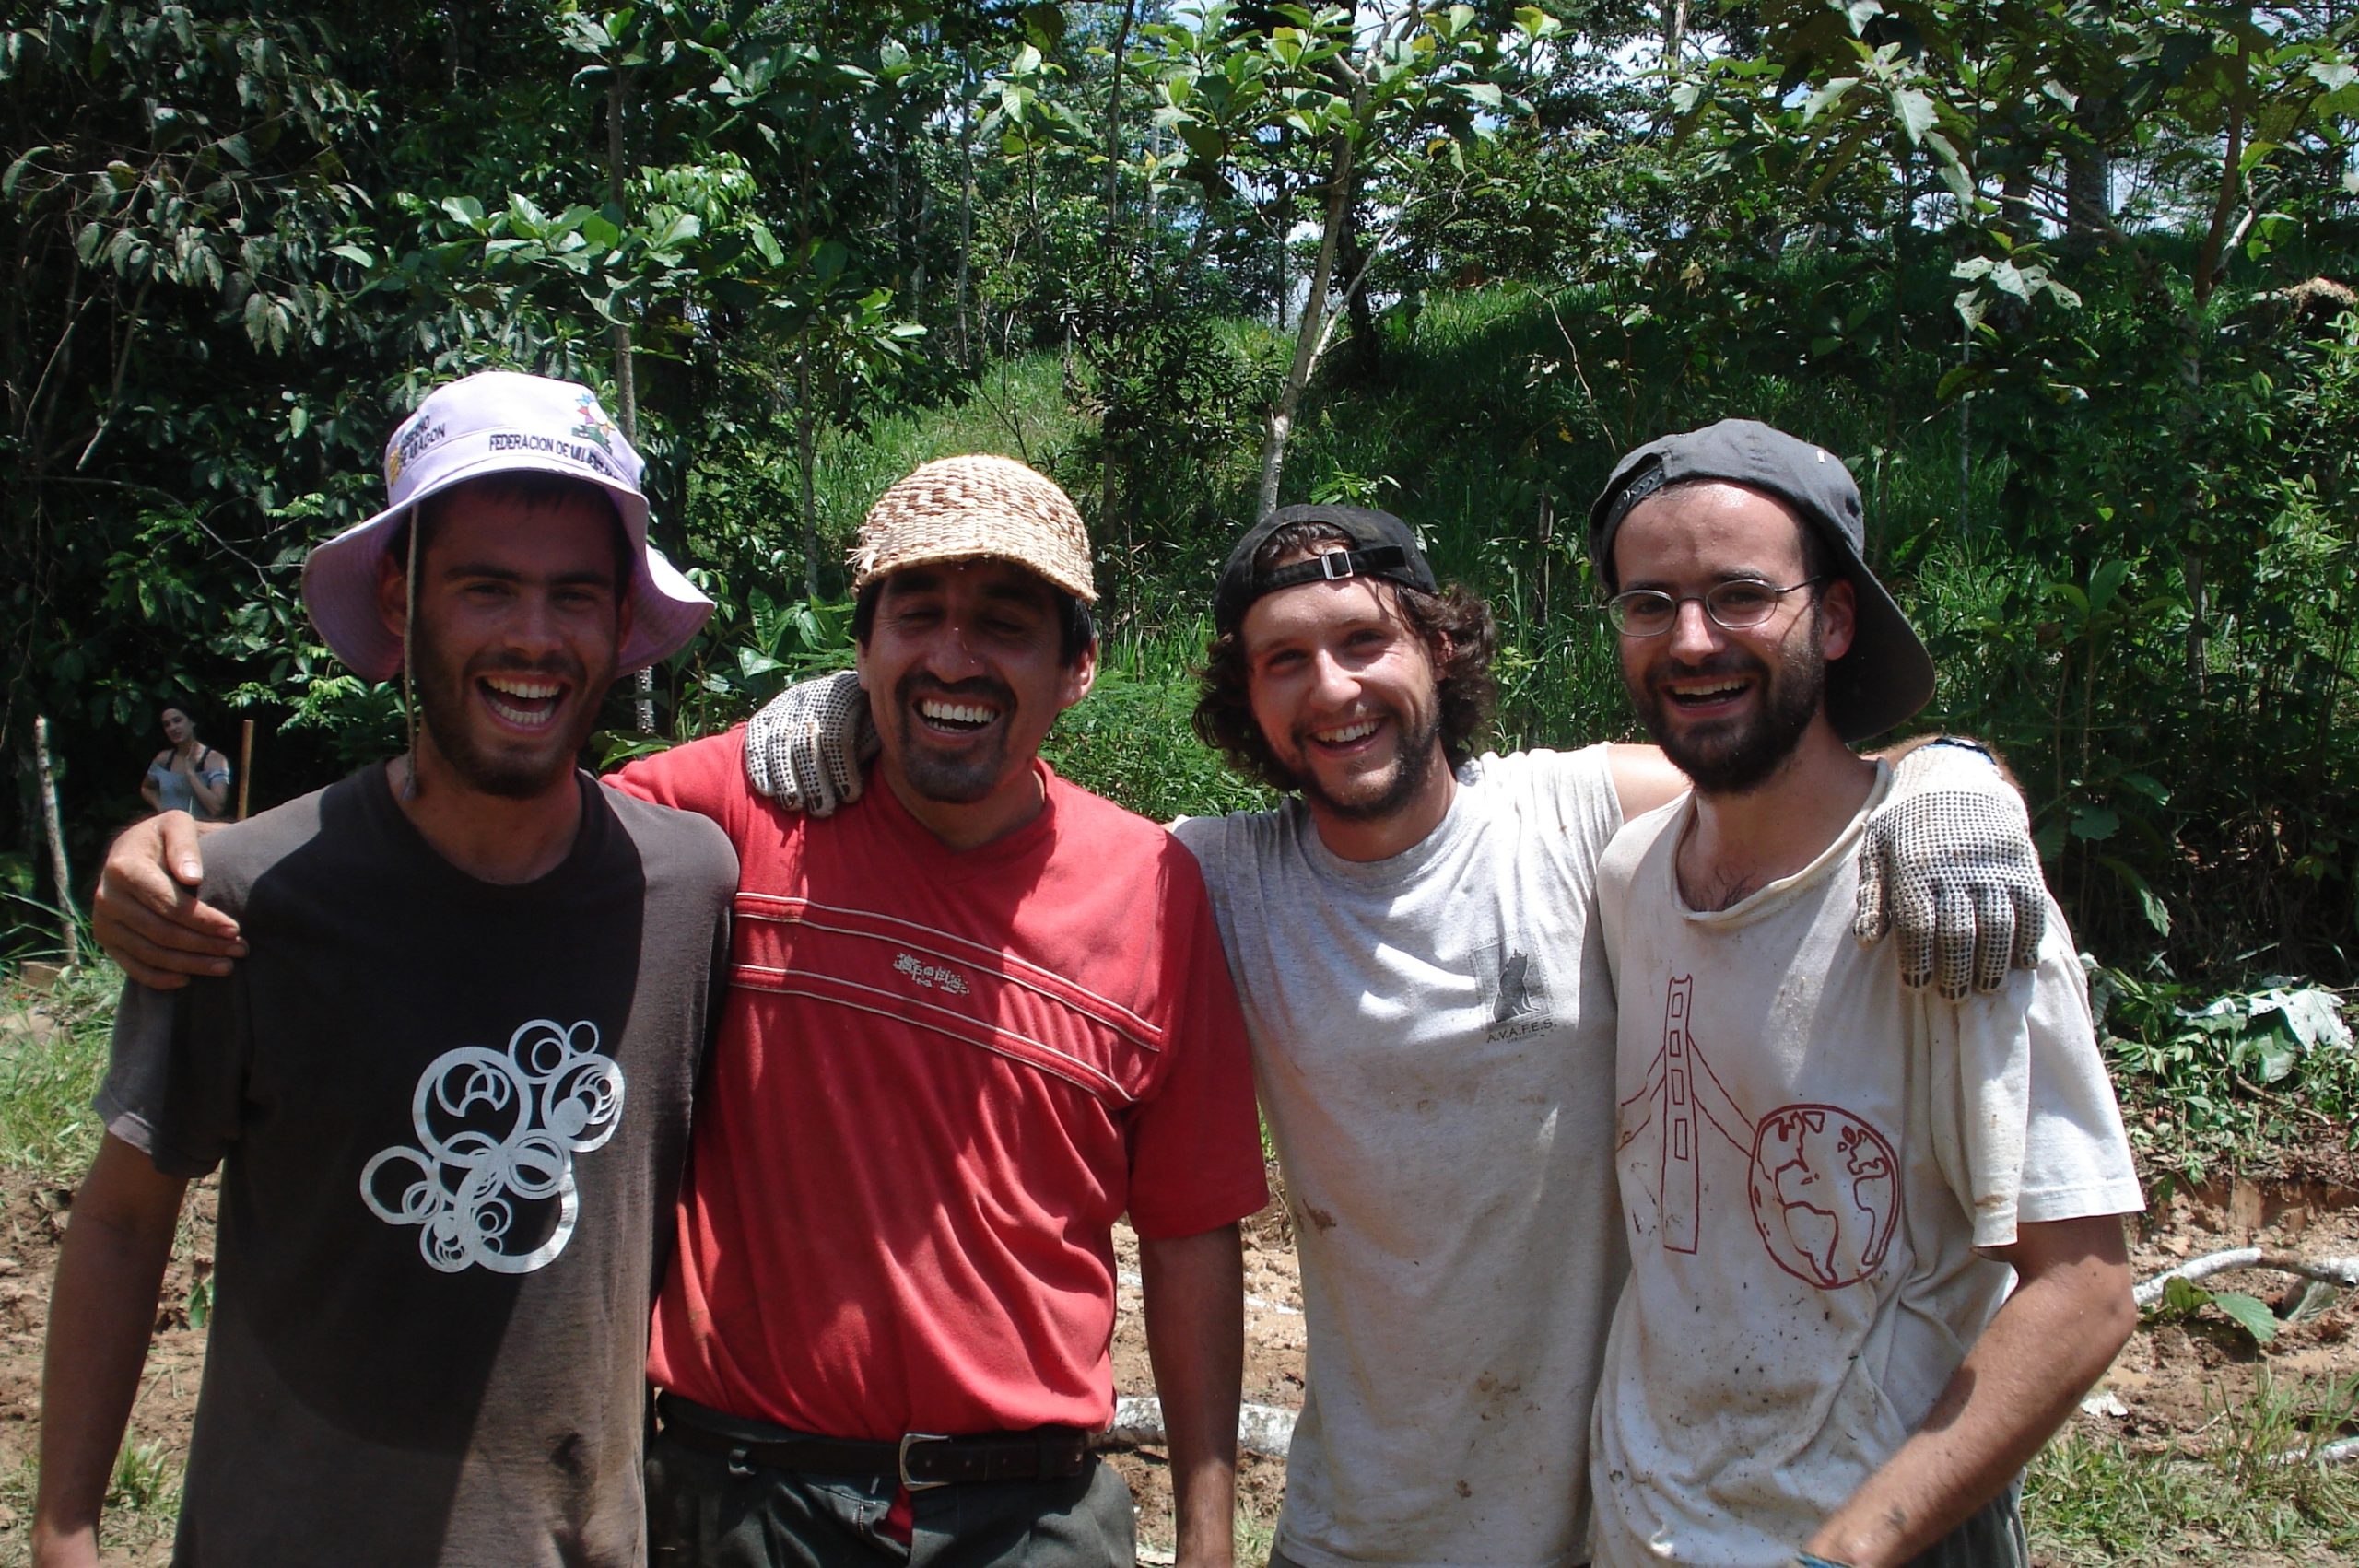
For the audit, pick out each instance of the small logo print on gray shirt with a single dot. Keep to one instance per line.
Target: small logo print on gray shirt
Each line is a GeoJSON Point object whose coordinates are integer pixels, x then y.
{"type": "Point", "coordinates": [1519, 996]}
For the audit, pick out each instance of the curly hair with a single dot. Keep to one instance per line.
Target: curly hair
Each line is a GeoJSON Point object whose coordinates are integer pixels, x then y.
{"type": "Point", "coordinates": [1461, 639]}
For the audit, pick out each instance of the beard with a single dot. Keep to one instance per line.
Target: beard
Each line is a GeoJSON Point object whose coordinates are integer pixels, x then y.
{"type": "Point", "coordinates": [446, 706]}
{"type": "Point", "coordinates": [952, 780]}
{"type": "Point", "coordinates": [1413, 762]}
{"type": "Point", "coordinates": [1737, 756]}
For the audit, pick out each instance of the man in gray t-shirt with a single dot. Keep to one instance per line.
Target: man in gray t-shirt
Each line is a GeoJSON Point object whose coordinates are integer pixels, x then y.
{"type": "Point", "coordinates": [1413, 937]}
{"type": "Point", "coordinates": [449, 1092]}
{"type": "Point", "coordinates": [1433, 1027]}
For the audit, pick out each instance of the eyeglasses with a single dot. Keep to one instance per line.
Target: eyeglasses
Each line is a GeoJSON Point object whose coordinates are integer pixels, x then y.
{"type": "Point", "coordinates": [1738, 605]}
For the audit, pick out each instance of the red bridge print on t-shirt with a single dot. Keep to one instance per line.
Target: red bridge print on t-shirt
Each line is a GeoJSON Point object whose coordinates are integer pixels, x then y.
{"type": "Point", "coordinates": [1823, 1184]}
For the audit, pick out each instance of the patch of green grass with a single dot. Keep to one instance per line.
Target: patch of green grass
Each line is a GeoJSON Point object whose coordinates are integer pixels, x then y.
{"type": "Point", "coordinates": [53, 1053]}
{"type": "Point", "coordinates": [145, 1480]}
{"type": "Point", "coordinates": [2249, 1485]}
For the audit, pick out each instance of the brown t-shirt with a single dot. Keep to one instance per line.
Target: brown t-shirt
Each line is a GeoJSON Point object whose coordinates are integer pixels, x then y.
{"type": "Point", "coordinates": [451, 1117]}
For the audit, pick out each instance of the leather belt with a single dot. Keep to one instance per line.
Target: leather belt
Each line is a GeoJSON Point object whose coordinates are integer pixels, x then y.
{"type": "Point", "coordinates": [919, 1461]}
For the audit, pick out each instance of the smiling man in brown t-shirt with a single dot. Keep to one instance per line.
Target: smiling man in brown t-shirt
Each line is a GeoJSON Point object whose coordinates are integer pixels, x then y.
{"type": "Point", "coordinates": [449, 1092]}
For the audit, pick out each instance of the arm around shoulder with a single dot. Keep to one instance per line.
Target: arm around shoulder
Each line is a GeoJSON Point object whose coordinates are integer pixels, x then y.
{"type": "Point", "coordinates": [706, 776]}
{"type": "Point", "coordinates": [146, 913]}
{"type": "Point", "coordinates": [1643, 778]}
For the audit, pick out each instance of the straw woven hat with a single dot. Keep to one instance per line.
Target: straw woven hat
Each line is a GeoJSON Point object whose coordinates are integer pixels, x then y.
{"type": "Point", "coordinates": [976, 507]}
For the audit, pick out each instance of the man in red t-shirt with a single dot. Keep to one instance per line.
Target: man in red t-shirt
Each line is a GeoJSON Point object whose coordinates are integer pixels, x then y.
{"type": "Point", "coordinates": [972, 1019]}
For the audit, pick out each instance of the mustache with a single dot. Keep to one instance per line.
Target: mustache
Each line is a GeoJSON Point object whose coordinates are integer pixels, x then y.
{"type": "Point", "coordinates": [913, 685]}
{"type": "Point", "coordinates": [515, 663]}
{"type": "Point", "coordinates": [1729, 663]}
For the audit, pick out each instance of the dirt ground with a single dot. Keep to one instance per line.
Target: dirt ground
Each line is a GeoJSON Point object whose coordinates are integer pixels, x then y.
{"type": "Point", "coordinates": [2173, 1382]}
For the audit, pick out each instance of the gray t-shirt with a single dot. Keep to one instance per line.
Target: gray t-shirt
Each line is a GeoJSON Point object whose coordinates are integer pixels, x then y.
{"type": "Point", "coordinates": [1433, 1040]}
{"type": "Point", "coordinates": [450, 1119]}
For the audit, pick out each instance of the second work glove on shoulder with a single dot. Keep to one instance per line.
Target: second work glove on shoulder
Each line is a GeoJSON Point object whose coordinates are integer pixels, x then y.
{"type": "Point", "coordinates": [1948, 863]}
{"type": "Point", "coordinates": [806, 747]}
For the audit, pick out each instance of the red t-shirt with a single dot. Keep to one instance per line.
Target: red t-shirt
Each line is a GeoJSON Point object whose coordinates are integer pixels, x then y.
{"type": "Point", "coordinates": [940, 1079]}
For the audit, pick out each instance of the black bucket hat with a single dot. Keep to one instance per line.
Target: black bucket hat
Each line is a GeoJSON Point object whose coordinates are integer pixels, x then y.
{"type": "Point", "coordinates": [1886, 676]}
{"type": "Point", "coordinates": [1381, 547]}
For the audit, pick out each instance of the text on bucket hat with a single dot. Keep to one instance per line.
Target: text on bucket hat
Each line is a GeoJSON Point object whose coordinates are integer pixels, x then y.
{"type": "Point", "coordinates": [491, 423]}
{"type": "Point", "coordinates": [976, 507]}
{"type": "Point", "coordinates": [1381, 547]}
{"type": "Point", "coordinates": [1886, 676]}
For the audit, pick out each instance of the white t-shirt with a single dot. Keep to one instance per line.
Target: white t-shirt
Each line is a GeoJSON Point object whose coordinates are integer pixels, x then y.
{"type": "Point", "coordinates": [1810, 1154]}
{"type": "Point", "coordinates": [1433, 1042]}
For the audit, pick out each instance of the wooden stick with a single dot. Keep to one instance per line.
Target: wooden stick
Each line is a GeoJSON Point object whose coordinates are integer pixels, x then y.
{"type": "Point", "coordinates": [56, 840]}
{"type": "Point", "coordinates": [245, 765]}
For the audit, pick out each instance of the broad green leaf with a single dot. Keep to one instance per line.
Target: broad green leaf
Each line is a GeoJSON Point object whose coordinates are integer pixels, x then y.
{"type": "Point", "coordinates": [2313, 1015]}
{"type": "Point", "coordinates": [2105, 582]}
{"type": "Point", "coordinates": [2250, 1313]}
{"type": "Point", "coordinates": [2095, 822]}
{"type": "Point", "coordinates": [1828, 97]}
{"type": "Point", "coordinates": [1914, 108]}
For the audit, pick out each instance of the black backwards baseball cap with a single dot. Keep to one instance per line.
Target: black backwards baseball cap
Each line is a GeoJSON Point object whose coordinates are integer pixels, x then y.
{"type": "Point", "coordinates": [1886, 676]}
{"type": "Point", "coordinates": [1381, 547]}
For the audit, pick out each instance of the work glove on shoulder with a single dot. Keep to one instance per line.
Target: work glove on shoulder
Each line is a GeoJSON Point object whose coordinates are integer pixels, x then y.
{"type": "Point", "coordinates": [806, 747]}
{"type": "Point", "coordinates": [1947, 862]}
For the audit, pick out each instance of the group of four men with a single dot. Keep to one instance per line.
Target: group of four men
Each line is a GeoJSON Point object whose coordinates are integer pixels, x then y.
{"type": "Point", "coordinates": [1720, 1274]}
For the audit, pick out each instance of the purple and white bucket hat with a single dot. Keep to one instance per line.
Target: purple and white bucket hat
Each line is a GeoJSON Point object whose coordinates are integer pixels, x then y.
{"type": "Point", "coordinates": [496, 422]}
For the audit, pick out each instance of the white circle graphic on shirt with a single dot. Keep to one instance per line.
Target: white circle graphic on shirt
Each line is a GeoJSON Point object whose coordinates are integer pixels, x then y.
{"type": "Point", "coordinates": [1825, 1193]}
{"type": "Point", "coordinates": [490, 1181]}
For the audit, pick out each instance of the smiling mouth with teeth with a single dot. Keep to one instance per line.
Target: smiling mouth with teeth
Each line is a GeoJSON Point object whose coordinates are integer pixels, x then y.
{"type": "Point", "coordinates": [1347, 734]}
{"type": "Point", "coordinates": [520, 700]}
{"type": "Point", "coordinates": [1703, 694]}
{"type": "Point", "coordinates": [956, 715]}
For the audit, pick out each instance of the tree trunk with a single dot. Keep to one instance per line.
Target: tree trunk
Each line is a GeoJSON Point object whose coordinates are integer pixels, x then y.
{"type": "Point", "coordinates": [2014, 204]}
{"type": "Point", "coordinates": [2208, 261]}
{"type": "Point", "coordinates": [1311, 333]}
{"type": "Point", "coordinates": [1361, 348]}
{"type": "Point", "coordinates": [1114, 134]}
{"type": "Point", "coordinates": [966, 219]}
{"type": "Point", "coordinates": [1282, 203]}
{"type": "Point", "coordinates": [2191, 562]}
{"type": "Point", "coordinates": [807, 454]}
{"type": "Point", "coordinates": [626, 378]}
{"type": "Point", "coordinates": [50, 819]}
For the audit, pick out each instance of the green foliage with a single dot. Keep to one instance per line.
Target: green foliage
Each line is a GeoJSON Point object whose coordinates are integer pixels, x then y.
{"type": "Point", "coordinates": [146, 1479]}
{"type": "Point", "coordinates": [53, 1053]}
{"type": "Point", "coordinates": [2250, 1483]}
{"type": "Point", "coordinates": [2182, 1299]}
{"type": "Point", "coordinates": [2107, 449]}
{"type": "Point", "coordinates": [2241, 1077]}
{"type": "Point", "coordinates": [1128, 739]}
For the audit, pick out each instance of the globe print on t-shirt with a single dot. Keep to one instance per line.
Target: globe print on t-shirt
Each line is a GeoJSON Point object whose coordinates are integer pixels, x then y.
{"type": "Point", "coordinates": [1823, 1183]}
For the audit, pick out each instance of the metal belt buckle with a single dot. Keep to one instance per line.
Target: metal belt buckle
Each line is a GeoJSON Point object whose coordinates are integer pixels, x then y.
{"type": "Point", "coordinates": [909, 1441]}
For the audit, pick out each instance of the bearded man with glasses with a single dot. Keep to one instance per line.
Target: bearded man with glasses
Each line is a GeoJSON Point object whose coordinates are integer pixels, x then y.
{"type": "Point", "coordinates": [1875, 1236]}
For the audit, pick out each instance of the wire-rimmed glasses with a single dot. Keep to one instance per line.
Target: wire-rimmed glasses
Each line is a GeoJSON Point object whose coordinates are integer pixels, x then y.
{"type": "Point", "coordinates": [1739, 604]}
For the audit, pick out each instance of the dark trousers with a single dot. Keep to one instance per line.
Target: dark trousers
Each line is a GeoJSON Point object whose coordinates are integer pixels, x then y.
{"type": "Point", "coordinates": [701, 1515]}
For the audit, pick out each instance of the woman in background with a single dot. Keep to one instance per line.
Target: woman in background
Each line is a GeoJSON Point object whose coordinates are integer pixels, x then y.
{"type": "Point", "coordinates": [188, 776]}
